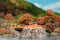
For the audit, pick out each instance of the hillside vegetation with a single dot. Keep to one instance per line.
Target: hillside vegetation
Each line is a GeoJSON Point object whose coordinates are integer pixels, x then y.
{"type": "Point", "coordinates": [20, 7]}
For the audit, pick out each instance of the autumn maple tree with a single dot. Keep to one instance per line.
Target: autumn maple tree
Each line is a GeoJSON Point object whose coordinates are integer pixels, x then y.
{"type": "Point", "coordinates": [9, 17]}
{"type": "Point", "coordinates": [40, 20]}
{"type": "Point", "coordinates": [25, 19]}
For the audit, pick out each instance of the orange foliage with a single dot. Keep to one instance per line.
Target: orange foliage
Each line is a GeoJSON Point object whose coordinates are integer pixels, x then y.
{"type": "Point", "coordinates": [49, 12]}
{"type": "Point", "coordinates": [9, 17]}
{"type": "Point", "coordinates": [57, 19]}
{"type": "Point", "coordinates": [46, 17]}
{"type": "Point", "coordinates": [2, 13]}
{"type": "Point", "coordinates": [27, 26]}
{"type": "Point", "coordinates": [40, 20]}
{"type": "Point", "coordinates": [4, 31]}
{"type": "Point", "coordinates": [50, 27]}
{"type": "Point", "coordinates": [25, 18]}
{"type": "Point", "coordinates": [57, 31]}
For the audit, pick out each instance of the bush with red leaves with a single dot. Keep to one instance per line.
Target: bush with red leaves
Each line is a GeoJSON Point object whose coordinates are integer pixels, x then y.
{"type": "Point", "coordinates": [9, 17]}
{"type": "Point", "coordinates": [57, 19]}
{"type": "Point", "coordinates": [25, 19]}
{"type": "Point", "coordinates": [49, 12]}
{"type": "Point", "coordinates": [49, 27]}
{"type": "Point", "coordinates": [40, 21]}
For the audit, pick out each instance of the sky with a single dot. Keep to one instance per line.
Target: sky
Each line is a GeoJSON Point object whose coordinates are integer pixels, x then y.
{"type": "Point", "coordinates": [47, 4]}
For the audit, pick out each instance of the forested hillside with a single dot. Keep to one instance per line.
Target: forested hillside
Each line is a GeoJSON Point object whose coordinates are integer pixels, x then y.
{"type": "Point", "coordinates": [19, 7]}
